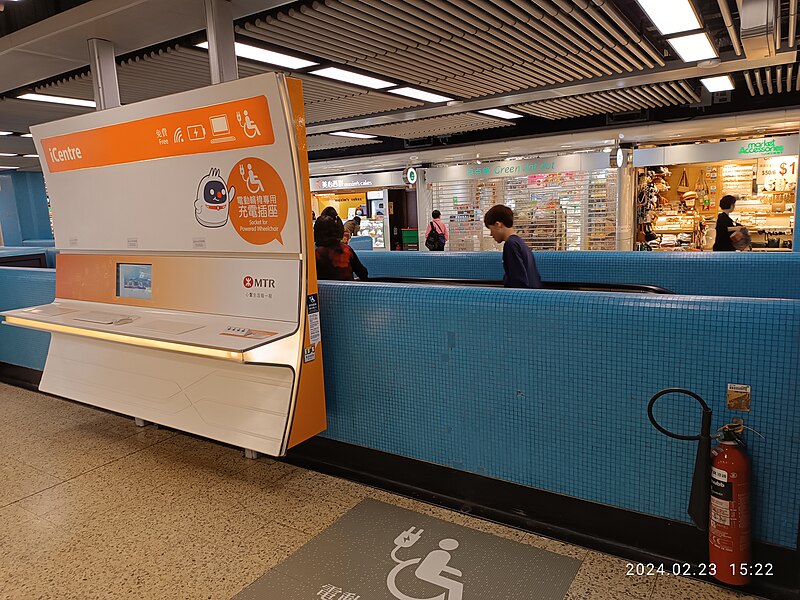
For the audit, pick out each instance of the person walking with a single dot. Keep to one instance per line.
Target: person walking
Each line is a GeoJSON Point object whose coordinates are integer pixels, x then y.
{"type": "Point", "coordinates": [437, 241]}
{"type": "Point", "coordinates": [725, 225]}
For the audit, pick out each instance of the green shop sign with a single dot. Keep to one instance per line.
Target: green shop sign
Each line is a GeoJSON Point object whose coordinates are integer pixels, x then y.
{"type": "Point", "coordinates": [761, 147]}
{"type": "Point", "coordinates": [507, 169]}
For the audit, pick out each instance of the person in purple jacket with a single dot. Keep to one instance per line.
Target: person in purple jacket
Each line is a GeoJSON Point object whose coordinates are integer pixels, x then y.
{"type": "Point", "coordinates": [518, 264]}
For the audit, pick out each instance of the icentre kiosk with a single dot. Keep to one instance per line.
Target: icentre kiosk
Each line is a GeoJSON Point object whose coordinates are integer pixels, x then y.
{"type": "Point", "coordinates": [186, 289]}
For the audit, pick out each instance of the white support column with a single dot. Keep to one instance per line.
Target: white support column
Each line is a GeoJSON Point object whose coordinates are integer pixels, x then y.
{"type": "Point", "coordinates": [103, 65]}
{"type": "Point", "coordinates": [626, 207]}
{"type": "Point", "coordinates": [221, 49]}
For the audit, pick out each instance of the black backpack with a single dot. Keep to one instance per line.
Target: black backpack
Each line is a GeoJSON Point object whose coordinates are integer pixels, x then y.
{"type": "Point", "coordinates": [434, 240]}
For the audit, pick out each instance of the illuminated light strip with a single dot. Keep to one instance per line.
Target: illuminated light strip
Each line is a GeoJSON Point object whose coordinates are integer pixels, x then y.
{"type": "Point", "coordinates": [126, 339]}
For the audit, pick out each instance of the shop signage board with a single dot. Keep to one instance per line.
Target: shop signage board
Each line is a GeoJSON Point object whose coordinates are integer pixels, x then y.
{"type": "Point", "coordinates": [788, 145]}
{"type": "Point", "coordinates": [183, 225]}
{"type": "Point", "coordinates": [590, 161]}
{"type": "Point", "coordinates": [383, 179]}
{"type": "Point", "coordinates": [380, 551]}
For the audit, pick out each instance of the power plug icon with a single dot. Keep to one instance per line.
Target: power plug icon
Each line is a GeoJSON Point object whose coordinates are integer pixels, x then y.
{"type": "Point", "coordinates": [408, 538]}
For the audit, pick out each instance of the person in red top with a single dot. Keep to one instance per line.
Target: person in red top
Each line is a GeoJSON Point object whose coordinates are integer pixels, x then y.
{"type": "Point", "coordinates": [440, 227]}
{"type": "Point", "coordinates": [335, 260]}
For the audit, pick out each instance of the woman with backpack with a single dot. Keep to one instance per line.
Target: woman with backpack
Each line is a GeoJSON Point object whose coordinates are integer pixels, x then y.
{"type": "Point", "coordinates": [436, 233]}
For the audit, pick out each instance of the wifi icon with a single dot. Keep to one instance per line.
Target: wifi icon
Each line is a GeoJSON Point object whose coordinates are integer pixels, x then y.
{"type": "Point", "coordinates": [178, 137]}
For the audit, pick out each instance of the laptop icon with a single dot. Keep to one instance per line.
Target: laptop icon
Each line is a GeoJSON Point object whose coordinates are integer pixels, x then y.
{"type": "Point", "coordinates": [221, 130]}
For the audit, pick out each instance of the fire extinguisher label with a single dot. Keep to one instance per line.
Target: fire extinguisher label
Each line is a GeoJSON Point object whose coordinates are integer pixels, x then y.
{"type": "Point", "coordinates": [720, 486]}
{"type": "Point", "coordinates": [720, 512]}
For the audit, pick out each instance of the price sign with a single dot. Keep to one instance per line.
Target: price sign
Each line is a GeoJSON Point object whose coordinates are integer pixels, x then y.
{"type": "Point", "coordinates": [777, 174]}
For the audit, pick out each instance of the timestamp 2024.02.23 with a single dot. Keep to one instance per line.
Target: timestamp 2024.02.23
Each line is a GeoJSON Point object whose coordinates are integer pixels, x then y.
{"type": "Point", "coordinates": [698, 569]}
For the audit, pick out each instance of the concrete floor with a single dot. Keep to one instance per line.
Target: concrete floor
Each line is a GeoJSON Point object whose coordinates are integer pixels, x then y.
{"type": "Point", "coordinates": [92, 506]}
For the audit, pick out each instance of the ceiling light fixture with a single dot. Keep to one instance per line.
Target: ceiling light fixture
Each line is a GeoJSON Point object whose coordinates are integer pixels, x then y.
{"type": "Point", "coordinates": [671, 17]}
{"type": "Point", "coordinates": [58, 100]}
{"type": "Point", "coordinates": [722, 83]}
{"type": "Point", "coordinates": [6, 132]}
{"type": "Point", "coordinates": [267, 56]}
{"type": "Point", "coordinates": [7, 154]}
{"type": "Point", "coordinates": [419, 94]}
{"type": "Point", "coordinates": [354, 78]}
{"type": "Point", "coordinates": [20, 135]}
{"type": "Point", "coordinates": [502, 114]}
{"type": "Point", "coordinates": [2, 168]}
{"type": "Point", "coordinates": [30, 155]}
{"type": "Point", "coordinates": [694, 47]}
{"type": "Point", "coordinates": [351, 134]}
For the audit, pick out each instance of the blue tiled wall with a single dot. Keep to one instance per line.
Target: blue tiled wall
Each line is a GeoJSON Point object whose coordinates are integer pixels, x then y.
{"type": "Point", "coordinates": [20, 288]}
{"type": "Point", "coordinates": [742, 274]}
{"type": "Point", "coordinates": [549, 389]}
{"type": "Point", "coordinates": [545, 388]}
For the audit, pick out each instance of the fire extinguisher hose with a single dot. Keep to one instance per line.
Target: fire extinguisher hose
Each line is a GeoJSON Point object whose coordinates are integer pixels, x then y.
{"type": "Point", "coordinates": [701, 479]}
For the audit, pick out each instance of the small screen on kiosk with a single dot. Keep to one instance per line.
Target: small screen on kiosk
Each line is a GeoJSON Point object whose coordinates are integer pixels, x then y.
{"type": "Point", "coordinates": [135, 281]}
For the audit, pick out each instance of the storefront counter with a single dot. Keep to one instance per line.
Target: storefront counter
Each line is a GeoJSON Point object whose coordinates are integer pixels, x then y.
{"type": "Point", "coordinates": [739, 274]}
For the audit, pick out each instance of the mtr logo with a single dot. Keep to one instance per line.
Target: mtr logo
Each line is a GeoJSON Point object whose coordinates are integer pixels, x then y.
{"type": "Point", "coordinates": [263, 283]}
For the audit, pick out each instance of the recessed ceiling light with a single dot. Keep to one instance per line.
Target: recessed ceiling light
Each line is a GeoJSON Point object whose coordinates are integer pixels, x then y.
{"type": "Point", "coordinates": [6, 132]}
{"type": "Point", "coordinates": [504, 153]}
{"type": "Point", "coordinates": [413, 157]}
{"type": "Point", "coordinates": [7, 154]}
{"type": "Point", "coordinates": [694, 47]}
{"type": "Point", "coordinates": [58, 100]}
{"type": "Point", "coordinates": [21, 135]}
{"type": "Point", "coordinates": [2, 168]}
{"type": "Point", "coordinates": [362, 136]}
{"type": "Point", "coordinates": [267, 56]}
{"type": "Point", "coordinates": [354, 78]}
{"type": "Point", "coordinates": [419, 94]}
{"type": "Point", "coordinates": [31, 155]}
{"type": "Point", "coordinates": [502, 114]}
{"type": "Point", "coordinates": [722, 83]}
{"type": "Point", "coordinates": [672, 16]}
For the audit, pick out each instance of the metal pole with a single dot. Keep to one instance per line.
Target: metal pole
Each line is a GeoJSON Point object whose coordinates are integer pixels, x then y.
{"type": "Point", "coordinates": [221, 48]}
{"type": "Point", "coordinates": [104, 73]}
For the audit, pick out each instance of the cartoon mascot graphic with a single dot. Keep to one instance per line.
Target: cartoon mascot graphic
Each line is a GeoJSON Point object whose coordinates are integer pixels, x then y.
{"type": "Point", "coordinates": [213, 197]}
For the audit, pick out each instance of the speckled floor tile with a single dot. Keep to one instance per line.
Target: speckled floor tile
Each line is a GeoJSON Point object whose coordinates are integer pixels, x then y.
{"type": "Point", "coordinates": [20, 480]}
{"type": "Point", "coordinates": [99, 508]}
{"type": "Point", "coordinates": [671, 586]}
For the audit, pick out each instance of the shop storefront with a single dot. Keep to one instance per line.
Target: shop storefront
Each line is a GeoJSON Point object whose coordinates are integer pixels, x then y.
{"type": "Point", "coordinates": [386, 203]}
{"type": "Point", "coordinates": [679, 189]}
{"type": "Point", "coordinates": [561, 202]}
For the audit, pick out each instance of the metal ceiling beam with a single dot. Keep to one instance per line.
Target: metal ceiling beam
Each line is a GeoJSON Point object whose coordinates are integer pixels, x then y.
{"type": "Point", "coordinates": [56, 45]}
{"type": "Point", "coordinates": [559, 91]}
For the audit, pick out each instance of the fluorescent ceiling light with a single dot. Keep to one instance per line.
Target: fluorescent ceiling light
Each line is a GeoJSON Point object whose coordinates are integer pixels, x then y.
{"type": "Point", "coordinates": [21, 135]}
{"type": "Point", "coordinates": [671, 16]}
{"type": "Point", "coordinates": [361, 136]}
{"type": "Point", "coordinates": [354, 78]}
{"type": "Point", "coordinates": [30, 155]}
{"type": "Point", "coordinates": [7, 154]}
{"type": "Point", "coordinates": [419, 94]}
{"type": "Point", "coordinates": [267, 56]}
{"type": "Point", "coordinates": [2, 168]}
{"type": "Point", "coordinates": [58, 100]}
{"type": "Point", "coordinates": [723, 83]}
{"type": "Point", "coordinates": [692, 48]}
{"type": "Point", "coordinates": [503, 114]}
{"type": "Point", "coordinates": [6, 132]}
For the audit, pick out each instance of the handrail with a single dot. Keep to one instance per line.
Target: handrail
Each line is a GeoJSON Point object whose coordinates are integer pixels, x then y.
{"type": "Point", "coordinates": [631, 288]}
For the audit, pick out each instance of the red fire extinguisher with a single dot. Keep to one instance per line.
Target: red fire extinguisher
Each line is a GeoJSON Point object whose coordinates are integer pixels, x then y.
{"type": "Point", "coordinates": [720, 496]}
{"type": "Point", "coordinates": [729, 525]}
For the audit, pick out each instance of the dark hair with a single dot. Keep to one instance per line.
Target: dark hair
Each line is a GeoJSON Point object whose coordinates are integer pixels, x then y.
{"type": "Point", "coordinates": [329, 211]}
{"type": "Point", "coordinates": [499, 213]}
{"type": "Point", "coordinates": [328, 231]}
{"type": "Point", "coordinates": [436, 214]}
{"type": "Point", "coordinates": [357, 219]}
{"type": "Point", "coordinates": [727, 202]}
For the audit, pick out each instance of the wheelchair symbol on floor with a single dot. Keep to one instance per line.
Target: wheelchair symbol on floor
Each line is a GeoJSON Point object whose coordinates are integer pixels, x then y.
{"type": "Point", "coordinates": [430, 569]}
